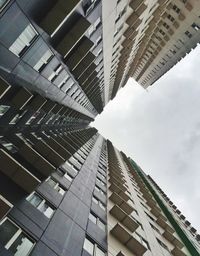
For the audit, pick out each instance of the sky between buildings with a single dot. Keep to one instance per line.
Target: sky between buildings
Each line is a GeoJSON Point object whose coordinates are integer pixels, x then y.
{"type": "Point", "coordinates": [160, 129]}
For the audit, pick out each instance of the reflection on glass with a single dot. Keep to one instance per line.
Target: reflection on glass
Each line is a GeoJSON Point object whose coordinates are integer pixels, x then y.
{"type": "Point", "coordinates": [7, 230]}
{"type": "Point", "coordinates": [22, 246]}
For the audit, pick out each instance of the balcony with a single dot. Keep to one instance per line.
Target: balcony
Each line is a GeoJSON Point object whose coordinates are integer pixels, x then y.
{"type": "Point", "coordinates": [17, 173]}
{"type": "Point", "coordinates": [21, 98]}
{"type": "Point", "coordinates": [79, 53]}
{"type": "Point", "coordinates": [58, 148]}
{"type": "Point", "coordinates": [39, 162]}
{"type": "Point", "coordinates": [116, 199]}
{"type": "Point", "coordinates": [175, 241]}
{"type": "Point", "coordinates": [151, 202]}
{"type": "Point", "coordinates": [57, 15]}
{"type": "Point", "coordinates": [120, 192]}
{"type": "Point", "coordinates": [116, 174]}
{"type": "Point", "coordinates": [156, 211]}
{"type": "Point", "coordinates": [51, 155]}
{"type": "Point", "coordinates": [73, 36]}
{"type": "Point", "coordinates": [84, 65]}
{"type": "Point", "coordinates": [125, 219]}
{"type": "Point", "coordinates": [177, 252]}
{"type": "Point", "coordinates": [122, 235]}
{"type": "Point", "coordinates": [163, 223]}
{"type": "Point", "coordinates": [135, 4]}
{"type": "Point", "coordinates": [118, 184]}
{"type": "Point", "coordinates": [5, 206]}
{"type": "Point", "coordinates": [4, 87]}
{"type": "Point", "coordinates": [116, 180]}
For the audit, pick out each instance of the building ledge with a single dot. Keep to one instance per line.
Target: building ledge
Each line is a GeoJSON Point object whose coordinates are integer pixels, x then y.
{"type": "Point", "coordinates": [122, 235]}
{"type": "Point", "coordinates": [115, 198]}
{"type": "Point", "coordinates": [124, 218]}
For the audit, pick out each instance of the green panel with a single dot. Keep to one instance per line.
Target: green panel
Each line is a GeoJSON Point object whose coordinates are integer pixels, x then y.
{"type": "Point", "coordinates": [188, 244]}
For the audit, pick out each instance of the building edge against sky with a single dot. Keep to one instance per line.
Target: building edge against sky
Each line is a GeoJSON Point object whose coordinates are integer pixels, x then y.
{"type": "Point", "coordinates": [64, 189]}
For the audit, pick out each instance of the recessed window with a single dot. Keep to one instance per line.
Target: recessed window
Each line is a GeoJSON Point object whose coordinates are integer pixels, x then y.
{"type": "Point", "coordinates": [195, 26]}
{"type": "Point", "coordinates": [99, 39]}
{"type": "Point", "coordinates": [163, 245]}
{"type": "Point", "coordinates": [3, 109]}
{"type": "Point", "coordinates": [18, 117]}
{"type": "Point", "coordinates": [97, 221]}
{"type": "Point", "coordinates": [41, 204]}
{"type": "Point", "coordinates": [98, 202]}
{"type": "Point", "coordinates": [55, 73]}
{"type": "Point", "coordinates": [176, 9]}
{"type": "Point", "coordinates": [23, 41]}
{"type": "Point", "coordinates": [92, 248]}
{"type": "Point", "coordinates": [14, 239]}
{"type": "Point", "coordinates": [188, 34]}
{"type": "Point", "coordinates": [142, 240]}
{"type": "Point", "coordinates": [68, 176]}
{"type": "Point", "coordinates": [43, 61]}
{"type": "Point", "coordinates": [165, 25]}
{"type": "Point", "coordinates": [170, 17]}
{"type": "Point", "coordinates": [55, 185]}
{"type": "Point", "coordinates": [99, 190]}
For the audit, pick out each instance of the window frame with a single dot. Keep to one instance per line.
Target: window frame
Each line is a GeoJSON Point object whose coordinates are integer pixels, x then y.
{"type": "Point", "coordinates": [16, 235]}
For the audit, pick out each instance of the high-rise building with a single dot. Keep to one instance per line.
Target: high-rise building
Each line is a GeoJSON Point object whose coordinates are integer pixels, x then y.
{"type": "Point", "coordinates": [97, 202]}
{"type": "Point", "coordinates": [80, 53]}
{"type": "Point", "coordinates": [64, 189]}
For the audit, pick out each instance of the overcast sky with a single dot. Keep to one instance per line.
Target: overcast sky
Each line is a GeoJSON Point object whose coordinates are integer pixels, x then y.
{"type": "Point", "coordinates": [160, 129]}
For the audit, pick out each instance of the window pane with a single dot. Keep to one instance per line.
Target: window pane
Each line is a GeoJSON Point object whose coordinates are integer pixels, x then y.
{"type": "Point", "coordinates": [60, 190]}
{"type": "Point", "coordinates": [51, 182]}
{"type": "Point", "coordinates": [7, 230]}
{"type": "Point", "coordinates": [88, 246]}
{"type": "Point", "coordinates": [21, 246]}
{"type": "Point", "coordinates": [102, 206]}
{"type": "Point", "coordinates": [3, 109]}
{"type": "Point", "coordinates": [23, 40]}
{"type": "Point", "coordinates": [95, 200]}
{"type": "Point", "coordinates": [99, 252]}
{"type": "Point", "coordinates": [35, 200]}
{"type": "Point", "coordinates": [92, 218]}
{"type": "Point", "coordinates": [47, 210]}
{"type": "Point", "coordinates": [101, 225]}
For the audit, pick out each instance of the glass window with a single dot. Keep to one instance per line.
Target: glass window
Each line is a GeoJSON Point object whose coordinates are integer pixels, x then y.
{"type": "Point", "coordinates": [69, 177]}
{"type": "Point", "coordinates": [92, 248]}
{"type": "Point", "coordinates": [42, 62]}
{"type": "Point", "coordinates": [24, 40]}
{"type": "Point", "coordinates": [101, 225]}
{"type": "Point", "coordinates": [14, 239]}
{"type": "Point", "coordinates": [3, 109]}
{"type": "Point", "coordinates": [99, 252]}
{"type": "Point", "coordinates": [3, 3]}
{"type": "Point", "coordinates": [35, 200]}
{"type": "Point", "coordinates": [93, 218]}
{"type": "Point", "coordinates": [55, 185]}
{"type": "Point", "coordinates": [41, 204]}
{"type": "Point", "coordinates": [88, 246]}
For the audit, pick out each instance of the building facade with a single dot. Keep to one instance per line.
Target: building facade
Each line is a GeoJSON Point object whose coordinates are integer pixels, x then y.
{"type": "Point", "coordinates": [64, 189]}
{"type": "Point", "coordinates": [73, 193]}
{"type": "Point", "coordinates": [81, 53]}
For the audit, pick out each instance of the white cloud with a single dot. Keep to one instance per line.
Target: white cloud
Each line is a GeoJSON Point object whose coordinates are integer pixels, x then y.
{"type": "Point", "coordinates": [160, 129]}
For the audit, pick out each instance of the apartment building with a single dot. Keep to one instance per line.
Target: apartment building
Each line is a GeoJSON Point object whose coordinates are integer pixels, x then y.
{"type": "Point", "coordinates": [97, 202]}
{"type": "Point", "coordinates": [64, 189]}
{"type": "Point", "coordinates": [81, 53]}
